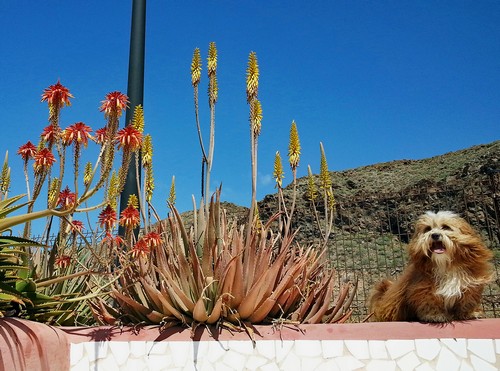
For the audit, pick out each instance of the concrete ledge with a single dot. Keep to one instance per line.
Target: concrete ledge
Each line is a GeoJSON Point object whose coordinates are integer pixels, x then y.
{"type": "Point", "coordinates": [472, 345]}
{"type": "Point", "coordinates": [27, 345]}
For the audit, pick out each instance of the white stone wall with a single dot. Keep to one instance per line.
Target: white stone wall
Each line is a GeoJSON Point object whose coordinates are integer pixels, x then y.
{"type": "Point", "coordinates": [289, 355]}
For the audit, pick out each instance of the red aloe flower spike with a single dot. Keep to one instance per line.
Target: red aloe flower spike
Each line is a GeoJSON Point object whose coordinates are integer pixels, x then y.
{"type": "Point", "coordinates": [100, 135]}
{"type": "Point", "coordinates": [129, 217]}
{"type": "Point", "coordinates": [153, 239]}
{"type": "Point", "coordinates": [77, 226]}
{"type": "Point", "coordinates": [66, 199]}
{"type": "Point", "coordinates": [114, 103]}
{"type": "Point", "coordinates": [63, 261]}
{"type": "Point", "coordinates": [50, 134]}
{"type": "Point", "coordinates": [129, 138]}
{"type": "Point", "coordinates": [27, 151]}
{"type": "Point", "coordinates": [44, 159]}
{"type": "Point", "coordinates": [141, 248]}
{"type": "Point", "coordinates": [107, 218]}
{"type": "Point", "coordinates": [76, 133]}
{"type": "Point", "coordinates": [57, 95]}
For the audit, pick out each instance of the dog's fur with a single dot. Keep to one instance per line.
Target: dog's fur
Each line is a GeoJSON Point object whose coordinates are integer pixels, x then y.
{"type": "Point", "coordinates": [444, 280]}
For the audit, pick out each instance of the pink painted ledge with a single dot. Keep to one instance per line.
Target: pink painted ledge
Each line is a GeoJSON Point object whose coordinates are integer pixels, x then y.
{"type": "Point", "coordinates": [26, 345]}
{"type": "Point", "coordinates": [478, 329]}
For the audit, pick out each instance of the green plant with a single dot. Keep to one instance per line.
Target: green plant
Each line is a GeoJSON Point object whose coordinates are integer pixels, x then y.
{"type": "Point", "coordinates": [217, 272]}
{"type": "Point", "coordinates": [272, 279]}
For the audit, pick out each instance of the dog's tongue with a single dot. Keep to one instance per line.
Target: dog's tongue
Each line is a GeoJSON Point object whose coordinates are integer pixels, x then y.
{"type": "Point", "coordinates": [438, 248]}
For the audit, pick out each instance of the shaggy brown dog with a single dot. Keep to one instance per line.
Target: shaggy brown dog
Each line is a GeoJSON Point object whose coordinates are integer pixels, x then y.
{"type": "Point", "coordinates": [444, 280]}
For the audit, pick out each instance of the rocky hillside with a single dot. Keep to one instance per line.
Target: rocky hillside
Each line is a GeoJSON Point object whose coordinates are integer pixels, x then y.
{"type": "Point", "coordinates": [387, 197]}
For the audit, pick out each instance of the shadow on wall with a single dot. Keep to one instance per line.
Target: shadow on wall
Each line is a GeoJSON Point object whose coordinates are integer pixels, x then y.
{"type": "Point", "coordinates": [33, 347]}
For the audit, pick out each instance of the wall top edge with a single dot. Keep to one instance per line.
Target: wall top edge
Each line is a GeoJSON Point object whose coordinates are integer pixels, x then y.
{"type": "Point", "coordinates": [477, 329]}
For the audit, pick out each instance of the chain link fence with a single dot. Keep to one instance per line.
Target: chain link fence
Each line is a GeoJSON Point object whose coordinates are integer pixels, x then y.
{"type": "Point", "coordinates": [371, 253]}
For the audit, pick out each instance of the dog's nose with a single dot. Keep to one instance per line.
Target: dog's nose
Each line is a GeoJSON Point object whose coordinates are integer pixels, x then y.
{"type": "Point", "coordinates": [436, 236]}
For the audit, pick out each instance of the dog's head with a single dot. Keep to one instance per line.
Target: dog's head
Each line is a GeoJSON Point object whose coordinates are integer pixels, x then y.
{"type": "Point", "coordinates": [444, 238]}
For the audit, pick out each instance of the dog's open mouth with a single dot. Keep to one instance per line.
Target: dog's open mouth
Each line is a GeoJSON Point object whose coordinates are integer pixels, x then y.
{"type": "Point", "coordinates": [438, 248]}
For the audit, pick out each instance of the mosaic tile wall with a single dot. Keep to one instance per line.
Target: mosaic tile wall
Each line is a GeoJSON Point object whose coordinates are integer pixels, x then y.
{"type": "Point", "coordinates": [271, 355]}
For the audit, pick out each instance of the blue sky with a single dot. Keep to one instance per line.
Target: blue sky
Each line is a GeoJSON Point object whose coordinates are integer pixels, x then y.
{"type": "Point", "coordinates": [375, 81]}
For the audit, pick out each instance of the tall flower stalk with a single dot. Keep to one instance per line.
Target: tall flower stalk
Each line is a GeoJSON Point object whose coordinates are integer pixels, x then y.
{"type": "Point", "coordinates": [213, 94]}
{"type": "Point", "coordinates": [195, 81]}
{"type": "Point", "coordinates": [252, 90]}
{"type": "Point", "coordinates": [293, 159]}
{"type": "Point", "coordinates": [325, 184]}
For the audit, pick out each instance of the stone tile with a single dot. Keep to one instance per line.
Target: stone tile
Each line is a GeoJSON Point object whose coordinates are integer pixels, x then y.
{"type": "Point", "coordinates": [497, 345]}
{"type": "Point", "coordinates": [82, 365]}
{"type": "Point", "coordinates": [310, 363]}
{"type": "Point", "coordinates": [290, 362]}
{"type": "Point", "coordinates": [483, 348]}
{"type": "Point", "coordinates": [358, 348]}
{"type": "Point", "coordinates": [266, 348]}
{"type": "Point", "coordinates": [181, 353]}
{"type": "Point", "coordinates": [270, 367]}
{"type": "Point", "coordinates": [465, 366]}
{"type": "Point", "coordinates": [282, 349]}
{"type": "Point", "coordinates": [255, 362]}
{"type": "Point", "coordinates": [241, 347]}
{"type": "Point", "coordinates": [307, 348]}
{"type": "Point", "coordinates": [427, 349]}
{"type": "Point", "coordinates": [332, 348]}
{"type": "Point", "coordinates": [408, 362]}
{"type": "Point", "coordinates": [108, 364]}
{"type": "Point", "coordinates": [425, 367]}
{"type": "Point", "coordinates": [135, 364]}
{"type": "Point", "coordinates": [398, 348]}
{"type": "Point", "coordinates": [96, 350]}
{"type": "Point", "coordinates": [219, 366]}
{"type": "Point", "coordinates": [158, 362]}
{"type": "Point", "coordinates": [457, 346]}
{"type": "Point", "coordinates": [379, 365]}
{"type": "Point", "coordinates": [204, 365]}
{"type": "Point", "coordinates": [481, 365]}
{"type": "Point", "coordinates": [120, 351]}
{"type": "Point", "coordinates": [75, 353]}
{"type": "Point", "coordinates": [328, 365]}
{"type": "Point", "coordinates": [234, 359]}
{"type": "Point", "coordinates": [216, 351]}
{"type": "Point", "coordinates": [377, 349]}
{"type": "Point", "coordinates": [157, 347]}
{"type": "Point", "coordinates": [200, 350]}
{"type": "Point", "coordinates": [137, 348]}
{"type": "Point", "coordinates": [447, 360]}
{"type": "Point", "coordinates": [347, 363]}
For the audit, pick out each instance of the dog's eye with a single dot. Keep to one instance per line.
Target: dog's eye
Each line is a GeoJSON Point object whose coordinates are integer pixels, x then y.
{"type": "Point", "coordinates": [427, 229]}
{"type": "Point", "coordinates": [446, 227]}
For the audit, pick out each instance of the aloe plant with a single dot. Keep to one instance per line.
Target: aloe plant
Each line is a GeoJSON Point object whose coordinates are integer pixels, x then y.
{"type": "Point", "coordinates": [272, 279]}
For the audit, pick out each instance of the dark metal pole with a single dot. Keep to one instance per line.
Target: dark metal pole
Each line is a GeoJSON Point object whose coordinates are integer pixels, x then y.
{"type": "Point", "coordinates": [135, 90]}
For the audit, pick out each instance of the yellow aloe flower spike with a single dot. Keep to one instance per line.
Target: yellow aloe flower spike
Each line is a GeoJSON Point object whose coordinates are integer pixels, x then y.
{"type": "Point", "coordinates": [133, 201]}
{"type": "Point", "coordinates": [5, 175]}
{"type": "Point", "coordinates": [252, 77]}
{"type": "Point", "coordinates": [312, 191]}
{"type": "Point", "coordinates": [213, 90]}
{"type": "Point", "coordinates": [53, 193]}
{"type": "Point", "coordinates": [149, 184]}
{"type": "Point", "coordinates": [196, 67]}
{"type": "Point", "coordinates": [212, 59]}
{"type": "Point", "coordinates": [87, 174]}
{"type": "Point", "coordinates": [294, 147]}
{"type": "Point", "coordinates": [331, 199]}
{"type": "Point", "coordinates": [278, 170]}
{"type": "Point", "coordinates": [324, 174]}
{"type": "Point", "coordinates": [113, 190]}
{"type": "Point", "coordinates": [138, 119]}
{"type": "Point", "coordinates": [147, 150]}
{"type": "Point", "coordinates": [171, 197]}
{"type": "Point", "coordinates": [256, 116]}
